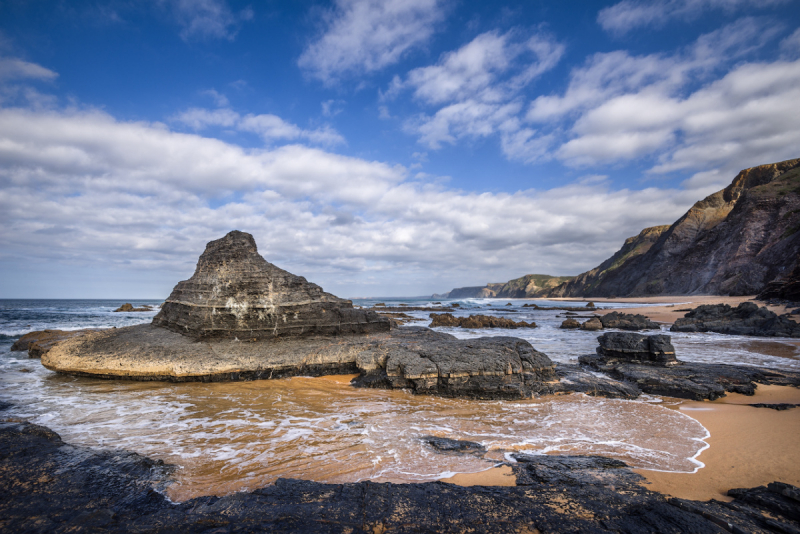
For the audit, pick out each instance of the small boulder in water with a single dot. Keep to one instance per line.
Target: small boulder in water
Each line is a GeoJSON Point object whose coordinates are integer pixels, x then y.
{"type": "Point", "coordinates": [592, 324]}
{"type": "Point", "coordinates": [570, 324]}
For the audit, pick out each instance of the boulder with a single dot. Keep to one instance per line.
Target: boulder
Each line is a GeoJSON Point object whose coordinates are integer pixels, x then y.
{"type": "Point", "coordinates": [592, 324]}
{"type": "Point", "coordinates": [747, 319]}
{"type": "Point", "coordinates": [447, 445]}
{"type": "Point", "coordinates": [476, 321]}
{"type": "Point", "coordinates": [236, 294]}
{"type": "Point", "coordinates": [628, 321]}
{"type": "Point", "coordinates": [570, 324]}
{"type": "Point", "coordinates": [128, 307]}
{"type": "Point", "coordinates": [636, 348]}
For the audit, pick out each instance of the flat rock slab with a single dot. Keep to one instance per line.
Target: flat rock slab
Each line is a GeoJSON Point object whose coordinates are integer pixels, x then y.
{"type": "Point", "coordinates": [50, 487]}
{"type": "Point", "coordinates": [41, 341]}
{"type": "Point", "coordinates": [408, 357]}
{"type": "Point", "coordinates": [697, 381]}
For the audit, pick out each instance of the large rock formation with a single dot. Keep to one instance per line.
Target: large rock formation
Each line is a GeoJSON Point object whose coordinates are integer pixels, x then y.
{"type": "Point", "coordinates": [731, 243]}
{"type": "Point", "coordinates": [235, 293]}
{"type": "Point", "coordinates": [747, 319]}
{"type": "Point", "coordinates": [476, 321]}
{"type": "Point", "coordinates": [40, 342]}
{"type": "Point", "coordinates": [636, 348]}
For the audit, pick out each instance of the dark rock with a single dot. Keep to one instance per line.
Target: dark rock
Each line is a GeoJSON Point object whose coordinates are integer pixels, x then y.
{"type": "Point", "coordinates": [779, 406]}
{"type": "Point", "coordinates": [783, 288]}
{"type": "Point", "coordinates": [636, 348]}
{"type": "Point", "coordinates": [40, 342]}
{"type": "Point", "coordinates": [628, 321]}
{"type": "Point", "coordinates": [592, 324]}
{"type": "Point", "coordinates": [570, 324]}
{"type": "Point", "coordinates": [696, 381]}
{"type": "Point", "coordinates": [575, 379]}
{"type": "Point", "coordinates": [590, 305]}
{"type": "Point", "coordinates": [235, 293]}
{"type": "Point", "coordinates": [747, 319]}
{"type": "Point", "coordinates": [379, 305]}
{"type": "Point", "coordinates": [476, 321]}
{"type": "Point", "coordinates": [48, 487]}
{"type": "Point", "coordinates": [454, 445]}
{"type": "Point", "coordinates": [128, 307]}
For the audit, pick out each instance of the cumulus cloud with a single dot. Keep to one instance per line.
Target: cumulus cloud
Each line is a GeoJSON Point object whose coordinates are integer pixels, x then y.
{"type": "Point", "coordinates": [477, 90]}
{"type": "Point", "coordinates": [139, 196]}
{"type": "Point", "coordinates": [270, 127]}
{"type": "Point", "coordinates": [629, 15]}
{"type": "Point", "coordinates": [205, 19]}
{"type": "Point", "coordinates": [363, 36]}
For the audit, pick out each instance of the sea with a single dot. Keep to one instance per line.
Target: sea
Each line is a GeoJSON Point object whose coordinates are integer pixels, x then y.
{"type": "Point", "coordinates": [238, 436]}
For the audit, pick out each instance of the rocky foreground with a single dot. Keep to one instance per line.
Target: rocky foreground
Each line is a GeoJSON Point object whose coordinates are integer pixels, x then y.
{"type": "Point", "coordinates": [49, 486]}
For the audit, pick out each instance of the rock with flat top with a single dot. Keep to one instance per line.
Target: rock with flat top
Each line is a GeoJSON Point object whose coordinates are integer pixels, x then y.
{"type": "Point", "coordinates": [636, 348]}
{"type": "Point", "coordinates": [236, 294]}
{"type": "Point", "coordinates": [40, 342]}
{"type": "Point", "coordinates": [747, 319]}
{"type": "Point", "coordinates": [627, 321]}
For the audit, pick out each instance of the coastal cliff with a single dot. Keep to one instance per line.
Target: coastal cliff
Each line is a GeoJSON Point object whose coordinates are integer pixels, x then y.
{"type": "Point", "coordinates": [733, 242]}
{"type": "Point", "coordinates": [528, 286]}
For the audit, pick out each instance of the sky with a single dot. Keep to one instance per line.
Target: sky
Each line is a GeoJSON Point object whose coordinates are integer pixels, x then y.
{"type": "Point", "coordinates": [376, 147]}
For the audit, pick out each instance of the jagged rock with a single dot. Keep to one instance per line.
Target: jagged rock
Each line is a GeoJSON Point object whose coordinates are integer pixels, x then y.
{"type": "Point", "coordinates": [447, 445]}
{"type": "Point", "coordinates": [575, 379]}
{"type": "Point", "coordinates": [783, 288]}
{"type": "Point", "coordinates": [40, 342]}
{"type": "Point", "coordinates": [627, 321]}
{"type": "Point", "coordinates": [733, 242]}
{"type": "Point", "coordinates": [128, 307]}
{"type": "Point", "coordinates": [570, 324]}
{"type": "Point", "coordinates": [235, 293]}
{"type": "Point", "coordinates": [592, 324]}
{"type": "Point", "coordinates": [476, 321]}
{"type": "Point", "coordinates": [747, 319]}
{"type": "Point", "coordinates": [49, 487]}
{"type": "Point", "coordinates": [636, 348]}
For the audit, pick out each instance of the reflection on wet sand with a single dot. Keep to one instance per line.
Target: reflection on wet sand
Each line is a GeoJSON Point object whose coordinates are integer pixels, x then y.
{"type": "Point", "coordinates": [235, 436]}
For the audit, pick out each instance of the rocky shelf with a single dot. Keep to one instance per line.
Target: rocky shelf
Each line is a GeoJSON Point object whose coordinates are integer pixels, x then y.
{"type": "Point", "coordinates": [50, 487]}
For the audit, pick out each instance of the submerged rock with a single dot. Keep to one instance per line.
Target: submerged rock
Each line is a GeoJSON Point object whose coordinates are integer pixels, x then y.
{"type": "Point", "coordinates": [476, 321]}
{"type": "Point", "coordinates": [448, 445]}
{"type": "Point", "coordinates": [49, 487]}
{"type": "Point", "coordinates": [747, 319]}
{"type": "Point", "coordinates": [235, 293]}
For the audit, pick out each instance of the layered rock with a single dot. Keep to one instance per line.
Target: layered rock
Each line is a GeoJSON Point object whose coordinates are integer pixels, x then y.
{"type": "Point", "coordinates": [783, 288]}
{"type": "Point", "coordinates": [731, 243]}
{"type": "Point", "coordinates": [235, 293]}
{"type": "Point", "coordinates": [636, 348]}
{"type": "Point", "coordinates": [476, 321]}
{"type": "Point", "coordinates": [747, 319]}
{"type": "Point", "coordinates": [528, 286]}
{"type": "Point", "coordinates": [627, 321]}
{"type": "Point", "coordinates": [649, 364]}
{"type": "Point", "coordinates": [40, 342]}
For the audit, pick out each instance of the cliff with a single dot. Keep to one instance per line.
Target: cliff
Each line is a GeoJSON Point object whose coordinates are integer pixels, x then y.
{"type": "Point", "coordinates": [528, 286]}
{"type": "Point", "coordinates": [733, 242]}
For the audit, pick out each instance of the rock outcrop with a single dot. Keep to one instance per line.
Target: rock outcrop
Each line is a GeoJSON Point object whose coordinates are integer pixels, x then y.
{"type": "Point", "coordinates": [636, 348]}
{"type": "Point", "coordinates": [570, 324]}
{"type": "Point", "coordinates": [592, 324]}
{"type": "Point", "coordinates": [128, 307]}
{"type": "Point", "coordinates": [783, 288]}
{"type": "Point", "coordinates": [649, 364]}
{"type": "Point", "coordinates": [733, 242]}
{"type": "Point", "coordinates": [235, 293]}
{"type": "Point", "coordinates": [747, 319]}
{"type": "Point", "coordinates": [627, 321]}
{"type": "Point", "coordinates": [476, 321]}
{"type": "Point", "coordinates": [40, 342]}
{"type": "Point", "coordinates": [49, 487]}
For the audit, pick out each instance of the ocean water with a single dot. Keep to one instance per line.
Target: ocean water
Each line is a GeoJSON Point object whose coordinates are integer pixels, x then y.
{"type": "Point", "coordinates": [235, 436]}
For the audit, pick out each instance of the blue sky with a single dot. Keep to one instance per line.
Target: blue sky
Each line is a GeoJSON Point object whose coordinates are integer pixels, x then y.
{"type": "Point", "coordinates": [375, 147]}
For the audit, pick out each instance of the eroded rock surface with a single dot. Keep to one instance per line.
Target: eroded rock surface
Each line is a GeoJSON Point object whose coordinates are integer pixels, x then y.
{"type": "Point", "coordinates": [636, 348]}
{"type": "Point", "coordinates": [476, 321]}
{"type": "Point", "coordinates": [627, 321]}
{"type": "Point", "coordinates": [50, 487]}
{"type": "Point", "coordinates": [128, 307]}
{"type": "Point", "coordinates": [747, 319]}
{"type": "Point", "coordinates": [235, 293]}
{"type": "Point", "coordinates": [40, 342]}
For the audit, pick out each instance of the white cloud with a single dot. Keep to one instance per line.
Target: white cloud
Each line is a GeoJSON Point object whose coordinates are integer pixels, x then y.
{"type": "Point", "coordinates": [139, 196]}
{"type": "Point", "coordinates": [363, 36]}
{"type": "Point", "coordinates": [790, 46]}
{"type": "Point", "coordinates": [15, 69]}
{"type": "Point", "coordinates": [629, 15]}
{"type": "Point", "coordinates": [269, 127]}
{"type": "Point", "coordinates": [478, 87]}
{"type": "Point", "coordinates": [205, 19]}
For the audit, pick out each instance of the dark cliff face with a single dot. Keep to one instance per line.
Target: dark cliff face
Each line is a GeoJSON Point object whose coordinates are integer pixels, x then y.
{"type": "Point", "coordinates": [733, 242]}
{"type": "Point", "coordinates": [235, 293]}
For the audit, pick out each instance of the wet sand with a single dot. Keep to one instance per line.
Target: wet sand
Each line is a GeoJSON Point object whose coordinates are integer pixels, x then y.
{"type": "Point", "coordinates": [748, 446]}
{"type": "Point", "coordinates": [672, 304]}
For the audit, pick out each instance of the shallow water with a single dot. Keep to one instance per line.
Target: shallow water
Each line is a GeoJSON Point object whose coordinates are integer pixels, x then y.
{"type": "Point", "coordinates": [234, 436]}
